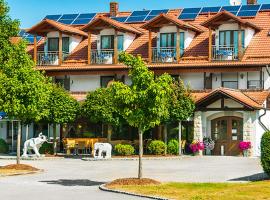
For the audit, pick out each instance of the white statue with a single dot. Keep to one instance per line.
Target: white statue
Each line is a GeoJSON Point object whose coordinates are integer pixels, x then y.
{"type": "Point", "coordinates": [34, 144]}
{"type": "Point", "coordinates": [102, 150]}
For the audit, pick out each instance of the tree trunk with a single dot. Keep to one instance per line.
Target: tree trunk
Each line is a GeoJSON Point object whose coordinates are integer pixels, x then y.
{"type": "Point", "coordinates": [140, 153]}
{"type": "Point", "coordinates": [19, 143]}
{"type": "Point", "coordinates": [109, 134]}
{"type": "Point", "coordinates": [165, 132]}
{"type": "Point", "coordinates": [180, 138]}
{"type": "Point", "coordinates": [159, 135]}
{"type": "Point", "coordinates": [54, 140]}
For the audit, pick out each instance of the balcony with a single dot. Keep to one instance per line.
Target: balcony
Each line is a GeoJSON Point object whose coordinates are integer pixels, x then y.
{"type": "Point", "coordinates": [50, 58]}
{"type": "Point", "coordinates": [165, 54]}
{"type": "Point", "coordinates": [224, 53]}
{"type": "Point", "coordinates": [104, 56]}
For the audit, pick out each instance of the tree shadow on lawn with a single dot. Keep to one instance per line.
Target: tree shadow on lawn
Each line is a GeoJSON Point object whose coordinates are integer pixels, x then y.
{"type": "Point", "coordinates": [76, 182]}
{"type": "Point", "coordinates": [254, 177]}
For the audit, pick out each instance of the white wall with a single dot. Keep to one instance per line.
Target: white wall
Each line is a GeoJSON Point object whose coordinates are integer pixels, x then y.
{"type": "Point", "coordinates": [189, 35]}
{"type": "Point", "coordinates": [249, 33]}
{"type": "Point", "coordinates": [216, 80]}
{"type": "Point", "coordinates": [74, 40]}
{"type": "Point", "coordinates": [80, 83]}
{"type": "Point", "coordinates": [266, 78]}
{"type": "Point", "coordinates": [194, 80]}
{"type": "Point", "coordinates": [128, 37]}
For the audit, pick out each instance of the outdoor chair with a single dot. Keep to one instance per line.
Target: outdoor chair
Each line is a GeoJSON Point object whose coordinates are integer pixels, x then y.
{"type": "Point", "coordinates": [183, 146]}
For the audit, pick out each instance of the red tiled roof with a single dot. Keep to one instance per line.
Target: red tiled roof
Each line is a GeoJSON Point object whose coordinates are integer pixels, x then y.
{"type": "Point", "coordinates": [165, 19]}
{"type": "Point", "coordinates": [224, 16]}
{"type": "Point", "coordinates": [92, 26]}
{"type": "Point", "coordinates": [47, 25]}
{"type": "Point", "coordinates": [253, 99]}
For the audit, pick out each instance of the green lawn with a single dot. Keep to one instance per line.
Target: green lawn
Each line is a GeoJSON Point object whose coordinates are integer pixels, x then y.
{"type": "Point", "coordinates": [205, 191]}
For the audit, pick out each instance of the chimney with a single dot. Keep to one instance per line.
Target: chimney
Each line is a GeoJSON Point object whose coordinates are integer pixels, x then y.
{"type": "Point", "coordinates": [251, 2]}
{"type": "Point", "coordinates": [114, 9]}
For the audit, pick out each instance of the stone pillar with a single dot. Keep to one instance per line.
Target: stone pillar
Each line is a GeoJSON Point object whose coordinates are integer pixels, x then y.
{"type": "Point", "coordinates": [198, 130]}
{"type": "Point", "coordinates": [248, 130]}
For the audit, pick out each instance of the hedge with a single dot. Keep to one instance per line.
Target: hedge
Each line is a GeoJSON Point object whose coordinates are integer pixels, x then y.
{"type": "Point", "coordinates": [265, 152]}
{"type": "Point", "coordinates": [156, 147]}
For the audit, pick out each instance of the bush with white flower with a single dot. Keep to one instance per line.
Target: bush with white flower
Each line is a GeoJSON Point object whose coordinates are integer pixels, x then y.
{"type": "Point", "coordinates": [209, 144]}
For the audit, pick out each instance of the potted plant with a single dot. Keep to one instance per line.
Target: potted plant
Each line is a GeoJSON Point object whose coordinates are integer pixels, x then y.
{"type": "Point", "coordinates": [209, 145]}
{"type": "Point", "coordinates": [196, 147]}
{"type": "Point", "coordinates": [244, 146]}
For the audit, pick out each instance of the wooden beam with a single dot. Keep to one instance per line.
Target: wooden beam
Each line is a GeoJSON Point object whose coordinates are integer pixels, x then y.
{"type": "Point", "coordinates": [178, 45]}
{"type": "Point", "coordinates": [239, 42]}
{"type": "Point", "coordinates": [150, 46]}
{"type": "Point", "coordinates": [60, 60]}
{"type": "Point", "coordinates": [35, 49]}
{"type": "Point", "coordinates": [115, 59]}
{"type": "Point", "coordinates": [89, 49]}
{"type": "Point", "coordinates": [210, 44]}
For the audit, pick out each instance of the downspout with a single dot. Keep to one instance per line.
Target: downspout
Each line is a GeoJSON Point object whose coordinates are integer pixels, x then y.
{"type": "Point", "coordinates": [260, 121]}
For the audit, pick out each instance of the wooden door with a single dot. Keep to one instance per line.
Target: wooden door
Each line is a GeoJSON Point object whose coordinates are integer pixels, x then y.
{"type": "Point", "coordinates": [227, 133]}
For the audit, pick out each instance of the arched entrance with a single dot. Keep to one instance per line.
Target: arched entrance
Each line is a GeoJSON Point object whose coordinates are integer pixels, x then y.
{"type": "Point", "coordinates": [227, 132]}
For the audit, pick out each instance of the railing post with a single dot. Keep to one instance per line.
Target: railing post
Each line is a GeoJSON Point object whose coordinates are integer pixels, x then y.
{"type": "Point", "coordinates": [150, 46]}
{"type": "Point", "coordinates": [89, 48]}
{"type": "Point", "coordinates": [60, 59]}
{"type": "Point", "coordinates": [35, 49]}
{"type": "Point", "coordinates": [210, 45]}
{"type": "Point", "coordinates": [239, 42]}
{"type": "Point", "coordinates": [178, 45]}
{"type": "Point", "coordinates": [115, 53]}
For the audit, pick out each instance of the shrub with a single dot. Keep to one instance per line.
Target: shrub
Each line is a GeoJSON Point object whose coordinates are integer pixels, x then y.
{"type": "Point", "coordinates": [124, 149]}
{"type": "Point", "coordinates": [3, 146]}
{"type": "Point", "coordinates": [46, 148]}
{"type": "Point", "coordinates": [156, 147]}
{"type": "Point", "coordinates": [173, 147]}
{"type": "Point", "coordinates": [265, 152]}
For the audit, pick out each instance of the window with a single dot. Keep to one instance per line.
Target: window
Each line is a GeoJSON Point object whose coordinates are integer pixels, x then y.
{"type": "Point", "coordinates": [229, 80]}
{"type": "Point", "coordinates": [230, 84]}
{"type": "Point", "coordinates": [63, 81]}
{"type": "Point", "coordinates": [107, 42]}
{"type": "Point", "coordinates": [169, 40]}
{"type": "Point", "coordinates": [53, 44]}
{"type": "Point", "coordinates": [104, 80]}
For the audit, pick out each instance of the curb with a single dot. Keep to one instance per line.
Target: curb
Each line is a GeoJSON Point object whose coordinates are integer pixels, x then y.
{"type": "Point", "coordinates": [30, 159]}
{"type": "Point", "coordinates": [104, 188]}
{"type": "Point", "coordinates": [128, 159]}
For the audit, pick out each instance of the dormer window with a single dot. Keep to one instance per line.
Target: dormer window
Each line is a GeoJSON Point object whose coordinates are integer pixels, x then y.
{"type": "Point", "coordinates": [107, 42]}
{"type": "Point", "coordinates": [53, 44]}
{"type": "Point", "coordinates": [168, 40]}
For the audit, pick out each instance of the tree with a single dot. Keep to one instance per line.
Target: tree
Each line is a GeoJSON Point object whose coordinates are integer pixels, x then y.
{"type": "Point", "coordinates": [181, 106]}
{"type": "Point", "coordinates": [145, 103]}
{"type": "Point", "coordinates": [62, 107]}
{"type": "Point", "coordinates": [99, 107]}
{"type": "Point", "coordinates": [24, 92]}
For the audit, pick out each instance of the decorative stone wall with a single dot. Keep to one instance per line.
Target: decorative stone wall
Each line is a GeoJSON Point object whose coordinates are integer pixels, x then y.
{"type": "Point", "coordinates": [198, 133]}
{"type": "Point", "coordinates": [248, 130]}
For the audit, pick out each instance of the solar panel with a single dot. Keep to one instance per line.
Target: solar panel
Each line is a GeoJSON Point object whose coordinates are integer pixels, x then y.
{"type": "Point", "coordinates": [210, 9]}
{"type": "Point", "coordinates": [28, 37]}
{"type": "Point", "coordinates": [157, 12]}
{"type": "Point", "coordinates": [86, 16]}
{"type": "Point", "coordinates": [140, 13]}
{"type": "Point", "coordinates": [191, 10]}
{"type": "Point", "coordinates": [247, 13]}
{"type": "Point", "coordinates": [69, 16]}
{"type": "Point", "coordinates": [66, 21]}
{"type": "Point", "coordinates": [190, 16]}
{"type": "Point", "coordinates": [53, 17]}
{"type": "Point", "coordinates": [120, 19]}
{"type": "Point", "coordinates": [81, 21]}
{"type": "Point", "coordinates": [250, 7]}
{"type": "Point", "coordinates": [265, 7]}
{"type": "Point", "coordinates": [136, 19]}
{"type": "Point", "coordinates": [231, 8]}
{"type": "Point", "coordinates": [149, 17]}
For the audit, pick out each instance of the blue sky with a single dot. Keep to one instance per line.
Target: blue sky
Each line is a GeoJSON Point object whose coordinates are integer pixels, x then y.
{"type": "Point", "coordinates": [29, 12]}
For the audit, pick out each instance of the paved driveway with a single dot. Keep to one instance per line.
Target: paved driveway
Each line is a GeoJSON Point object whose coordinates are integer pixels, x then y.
{"type": "Point", "coordinates": [74, 179]}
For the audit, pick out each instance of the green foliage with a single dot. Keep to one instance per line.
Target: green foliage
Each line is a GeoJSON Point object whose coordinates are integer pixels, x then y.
{"type": "Point", "coordinates": [24, 91]}
{"type": "Point", "coordinates": [265, 152]}
{"type": "Point", "coordinates": [3, 146]}
{"type": "Point", "coordinates": [124, 149]}
{"type": "Point", "coordinates": [157, 147]}
{"type": "Point", "coordinates": [99, 107]}
{"type": "Point", "coordinates": [46, 148]}
{"type": "Point", "coordinates": [173, 147]}
{"type": "Point", "coordinates": [145, 102]}
{"type": "Point", "coordinates": [63, 108]}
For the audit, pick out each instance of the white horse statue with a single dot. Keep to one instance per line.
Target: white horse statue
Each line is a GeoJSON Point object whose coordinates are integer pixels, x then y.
{"type": "Point", "coordinates": [34, 144]}
{"type": "Point", "coordinates": [102, 150]}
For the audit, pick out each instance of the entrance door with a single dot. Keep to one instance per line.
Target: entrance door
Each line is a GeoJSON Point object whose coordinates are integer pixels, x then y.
{"type": "Point", "coordinates": [227, 133]}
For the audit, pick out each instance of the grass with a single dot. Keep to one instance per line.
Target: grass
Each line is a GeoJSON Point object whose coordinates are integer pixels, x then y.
{"type": "Point", "coordinates": [204, 191]}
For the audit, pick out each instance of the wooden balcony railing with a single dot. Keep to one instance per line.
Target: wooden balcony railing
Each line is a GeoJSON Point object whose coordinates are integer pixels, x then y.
{"type": "Point", "coordinates": [50, 58]}
{"type": "Point", "coordinates": [103, 56]}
